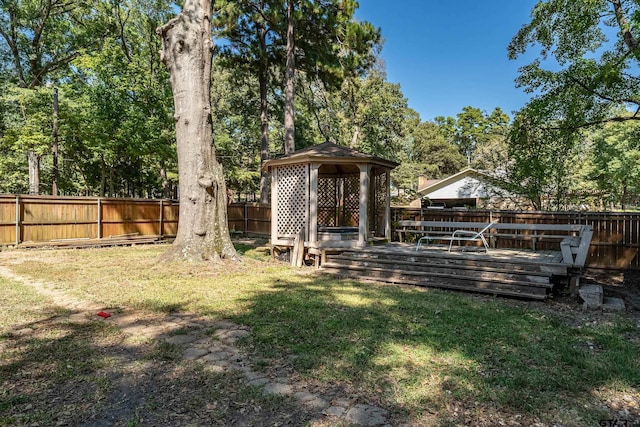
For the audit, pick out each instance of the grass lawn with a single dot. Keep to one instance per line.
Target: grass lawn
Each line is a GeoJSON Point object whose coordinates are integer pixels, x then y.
{"type": "Point", "coordinates": [430, 357]}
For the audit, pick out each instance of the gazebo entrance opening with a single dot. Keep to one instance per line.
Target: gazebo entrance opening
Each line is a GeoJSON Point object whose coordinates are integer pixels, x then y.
{"type": "Point", "coordinates": [339, 203]}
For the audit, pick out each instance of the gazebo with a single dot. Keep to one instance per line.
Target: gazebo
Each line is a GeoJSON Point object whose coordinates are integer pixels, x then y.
{"type": "Point", "coordinates": [332, 196]}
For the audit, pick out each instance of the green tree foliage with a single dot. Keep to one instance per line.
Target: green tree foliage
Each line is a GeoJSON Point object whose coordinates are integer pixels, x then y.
{"type": "Point", "coordinates": [439, 157]}
{"type": "Point", "coordinates": [427, 152]}
{"type": "Point", "coordinates": [615, 162]}
{"type": "Point", "coordinates": [27, 132]}
{"type": "Point", "coordinates": [477, 134]}
{"type": "Point", "coordinates": [40, 39]}
{"type": "Point", "coordinates": [540, 164]}
{"type": "Point", "coordinates": [234, 108]}
{"type": "Point", "coordinates": [375, 116]}
{"type": "Point", "coordinates": [367, 114]}
{"type": "Point", "coordinates": [469, 130]}
{"type": "Point", "coordinates": [115, 120]}
{"type": "Point", "coordinates": [252, 49]}
{"type": "Point", "coordinates": [586, 74]}
{"type": "Point", "coordinates": [128, 131]}
{"type": "Point", "coordinates": [326, 45]}
{"type": "Point", "coordinates": [29, 128]}
{"type": "Point", "coordinates": [588, 61]}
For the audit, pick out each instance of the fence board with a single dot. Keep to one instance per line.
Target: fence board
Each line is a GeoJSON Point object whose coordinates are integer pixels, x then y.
{"type": "Point", "coordinates": [250, 218]}
{"type": "Point", "coordinates": [8, 219]}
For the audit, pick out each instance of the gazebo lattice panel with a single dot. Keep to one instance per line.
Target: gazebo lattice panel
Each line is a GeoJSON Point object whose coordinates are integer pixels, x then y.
{"type": "Point", "coordinates": [292, 199]}
{"type": "Point", "coordinates": [327, 202]}
{"type": "Point", "coordinates": [351, 203]}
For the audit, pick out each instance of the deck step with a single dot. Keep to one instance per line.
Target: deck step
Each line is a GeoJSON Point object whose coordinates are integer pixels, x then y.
{"type": "Point", "coordinates": [489, 271]}
{"type": "Point", "coordinates": [459, 260]}
{"type": "Point", "coordinates": [469, 272]}
{"type": "Point", "coordinates": [451, 274]}
{"type": "Point", "coordinates": [451, 282]}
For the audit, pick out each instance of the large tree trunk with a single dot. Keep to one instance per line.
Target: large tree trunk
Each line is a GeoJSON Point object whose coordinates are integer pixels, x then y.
{"type": "Point", "coordinates": [289, 88]}
{"type": "Point", "coordinates": [264, 115]}
{"type": "Point", "coordinates": [264, 140]}
{"type": "Point", "coordinates": [203, 231]}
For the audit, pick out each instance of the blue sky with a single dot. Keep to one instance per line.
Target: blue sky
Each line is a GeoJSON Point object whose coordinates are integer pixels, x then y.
{"type": "Point", "coordinates": [450, 54]}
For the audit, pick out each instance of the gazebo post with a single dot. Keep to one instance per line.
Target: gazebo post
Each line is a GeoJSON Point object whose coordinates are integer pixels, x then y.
{"type": "Point", "coordinates": [387, 207]}
{"type": "Point", "coordinates": [365, 183]}
{"type": "Point", "coordinates": [313, 203]}
{"type": "Point", "coordinates": [274, 210]}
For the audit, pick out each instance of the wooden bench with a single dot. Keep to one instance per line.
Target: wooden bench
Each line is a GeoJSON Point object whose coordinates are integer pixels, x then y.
{"type": "Point", "coordinates": [534, 232]}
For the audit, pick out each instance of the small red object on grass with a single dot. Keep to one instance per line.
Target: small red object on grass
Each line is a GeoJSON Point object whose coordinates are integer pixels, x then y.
{"type": "Point", "coordinates": [103, 314]}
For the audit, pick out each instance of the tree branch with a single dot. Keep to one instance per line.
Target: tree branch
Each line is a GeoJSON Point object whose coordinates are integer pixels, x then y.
{"type": "Point", "coordinates": [12, 41]}
{"type": "Point", "coordinates": [625, 28]}
{"type": "Point", "coordinates": [40, 28]}
{"type": "Point", "coordinates": [600, 95]}
{"type": "Point", "coordinates": [52, 66]}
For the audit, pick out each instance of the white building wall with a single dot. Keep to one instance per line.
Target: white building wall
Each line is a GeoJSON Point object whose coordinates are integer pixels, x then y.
{"type": "Point", "coordinates": [466, 188]}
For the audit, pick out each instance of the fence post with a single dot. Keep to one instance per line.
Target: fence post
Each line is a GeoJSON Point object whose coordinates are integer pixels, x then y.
{"type": "Point", "coordinates": [17, 220]}
{"type": "Point", "coordinates": [99, 218]}
{"type": "Point", "coordinates": [161, 218]}
{"type": "Point", "coordinates": [246, 219]}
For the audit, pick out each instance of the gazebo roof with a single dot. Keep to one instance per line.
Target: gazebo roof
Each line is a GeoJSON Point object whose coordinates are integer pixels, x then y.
{"type": "Point", "coordinates": [329, 153]}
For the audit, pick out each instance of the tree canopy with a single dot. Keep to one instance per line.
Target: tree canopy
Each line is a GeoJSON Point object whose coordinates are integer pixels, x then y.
{"type": "Point", "coordinates": [568, 147]}
{"type": "Point", "coordinates": [587, 66]}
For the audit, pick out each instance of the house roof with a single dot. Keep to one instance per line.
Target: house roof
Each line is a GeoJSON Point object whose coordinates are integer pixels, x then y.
{"type": "Point", "coordinates": [329, 153]}
{"type": "Point", "coordinates": [429, 183]}
{"type": "Point", "coordinates": [435, 185]}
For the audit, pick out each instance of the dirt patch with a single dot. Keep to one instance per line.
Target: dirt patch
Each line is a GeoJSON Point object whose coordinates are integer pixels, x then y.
{"type": "Point", "coordinates": [620, 284]}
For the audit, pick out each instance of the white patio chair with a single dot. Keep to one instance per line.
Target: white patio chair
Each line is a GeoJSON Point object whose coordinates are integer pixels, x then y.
{"type": "Point", "coordinates": [461, 236]}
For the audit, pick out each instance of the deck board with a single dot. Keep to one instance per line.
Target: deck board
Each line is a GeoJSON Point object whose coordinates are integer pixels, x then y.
{"type": "Point", "coordinates": [523, 255]}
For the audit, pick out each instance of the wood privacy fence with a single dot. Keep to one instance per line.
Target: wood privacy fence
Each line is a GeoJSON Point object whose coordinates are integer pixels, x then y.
{"type": "Point", "coordinates": [615, 242]}
{"type": "Point", "coordinates": [45, 218]}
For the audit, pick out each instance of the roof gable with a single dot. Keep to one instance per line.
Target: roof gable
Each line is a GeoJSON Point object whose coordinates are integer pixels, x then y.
{"type": "Point", "coordinates": [468, 183]}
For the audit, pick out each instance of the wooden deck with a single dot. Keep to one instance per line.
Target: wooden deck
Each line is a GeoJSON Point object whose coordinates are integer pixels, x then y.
{"type": "Point", "coordinates": [508, 272]}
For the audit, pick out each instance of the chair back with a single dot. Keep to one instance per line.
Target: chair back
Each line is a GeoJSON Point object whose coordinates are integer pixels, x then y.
{"type": "Point", "coordinates": [481, 232]}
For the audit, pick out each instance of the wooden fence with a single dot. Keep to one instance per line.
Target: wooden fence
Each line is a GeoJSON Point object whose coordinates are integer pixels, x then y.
{"type": "Point", "coordinates": [45, 218]}
{"type": "Point", "coordinates": [250, 218]}
{"type": "Point", "coordinates": [615, 243]}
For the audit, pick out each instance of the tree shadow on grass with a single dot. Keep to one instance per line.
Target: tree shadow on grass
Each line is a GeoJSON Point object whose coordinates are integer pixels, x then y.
{"type": "Point", "coordinates": [420, 352]}
{"type": "Point", "coordinates": [56, 371]}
